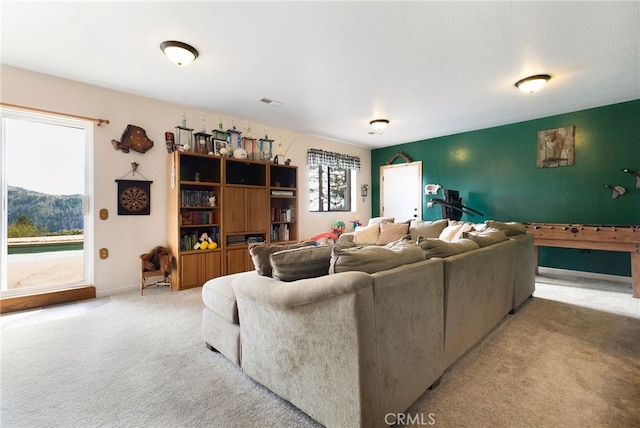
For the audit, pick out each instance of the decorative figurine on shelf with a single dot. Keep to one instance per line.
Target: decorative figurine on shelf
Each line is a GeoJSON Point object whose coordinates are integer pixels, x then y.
{"type": "Point", "coordinates": [338, 228]}
{"type": "Point", "coordinates": [183, 136]}
{"type": "Point", "coordinates": [212, 201]}
{"type": "Point", "coordinates": [240, 153]}
{"type": "Point", "coordinates": [169, 140]}
{"type": "Point", "coordinates": [205, 242]}
{"type": "Point", "coordinates": [196, 177]}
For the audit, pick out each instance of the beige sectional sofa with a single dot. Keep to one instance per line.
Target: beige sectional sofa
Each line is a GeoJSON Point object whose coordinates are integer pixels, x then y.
{"type": "Point", "coordinates": [350, 347]}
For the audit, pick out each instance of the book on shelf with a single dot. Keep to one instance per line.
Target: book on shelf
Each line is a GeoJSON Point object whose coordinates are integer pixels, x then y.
{"type": "Point", "coordinates": [283, 215]}
{"type": "Point", "coordinates": [197, 198]}
{"type": "Point", "coordinates": [282, 193]}
{"type": "Point", "coordinates": [189, 218]}
{"type": "Point", "coordinates": [280, 233]}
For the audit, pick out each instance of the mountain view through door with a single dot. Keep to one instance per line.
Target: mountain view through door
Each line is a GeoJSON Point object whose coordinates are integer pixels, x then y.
{"type": "Point", "coordinates": [44, 189]}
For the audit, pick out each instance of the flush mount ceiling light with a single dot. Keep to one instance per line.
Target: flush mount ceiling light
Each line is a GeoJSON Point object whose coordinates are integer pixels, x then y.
{"type": "Point", "coordinates": [379, 124]}
{"type": "Point", "coordinates": [269, 101]}
{"type": "Point", "coordinates": [532, 84]}
{"type": "Point", "coordinates": [178, 52]}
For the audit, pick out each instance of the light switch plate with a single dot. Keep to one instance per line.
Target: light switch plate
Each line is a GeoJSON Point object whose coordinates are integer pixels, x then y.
{"type": "Point", "coordinates": [104, 214]}
{"type": "Point", "coordinates": [104, 253]}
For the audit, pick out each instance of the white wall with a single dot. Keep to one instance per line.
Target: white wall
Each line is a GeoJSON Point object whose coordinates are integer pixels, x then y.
{"type": "Point", "coordinates": [127, 237]}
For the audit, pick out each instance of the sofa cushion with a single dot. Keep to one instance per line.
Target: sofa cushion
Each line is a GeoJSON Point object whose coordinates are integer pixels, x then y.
{"type": "Point", "coordinates": [434, 247]}
{"type": "Point", "coordinates": [427, 229]}
{"type": "Point", "coordinates": [391, 232]}
{"type": "Point", "coordinates": [260, 254]}
{"type": "Point", "coordinates": [511, 228]}
{"type": "Point", "coordinates": [454, 230]}
{"type": "Point", "coordinates": [367, 235]}
{"type": "Point", "coordinates": [486, 236]}
{"type": "Point", "coordinates": [372, 259]}
{"type": "Point", "coordinates": [378, 220]}
{"type": "Point", "coordinates": [301, 263]}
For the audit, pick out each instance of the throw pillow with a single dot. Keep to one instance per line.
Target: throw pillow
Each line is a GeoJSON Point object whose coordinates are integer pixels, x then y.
{"type": "Point", "coordinates": [378, 220]}
{"type": "Point", "coordinates": [454, 231]}
{"type": "Point", "coordinates": [486, 236]}
{"type": "Point", "coordinates": [390, 232]}
{"type": "Point", "coordinates": [434, 247]}
{"type": "Point", "coordinates": [372, 259]}
{"type": "Point", "coordinates": [427, 229]}
{"type": "Point", "coordinates": [260, 255]}
{"type": "Point", "coordinates": [367, 235]}
{"type": "Point", "coordinates": [511, 228]}
{"type": "Point", "coordinates": [301, 263]}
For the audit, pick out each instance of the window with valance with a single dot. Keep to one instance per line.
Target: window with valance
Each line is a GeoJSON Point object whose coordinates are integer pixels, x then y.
{"type": "Point", "coordinates": [330, 176]}
{"type": "Point", "coordinates": [317, 157]}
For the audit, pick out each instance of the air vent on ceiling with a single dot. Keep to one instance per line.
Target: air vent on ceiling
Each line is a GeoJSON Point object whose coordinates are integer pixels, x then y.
{"type": "Point", "coordinates": [269, 101]}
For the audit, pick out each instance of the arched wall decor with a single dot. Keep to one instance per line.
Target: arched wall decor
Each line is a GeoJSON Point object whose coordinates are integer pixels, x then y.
{"type": "Point", "coordinates": [399, 154]}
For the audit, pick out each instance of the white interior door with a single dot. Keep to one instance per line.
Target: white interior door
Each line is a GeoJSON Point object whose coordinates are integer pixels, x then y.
{"type": "Point", "coordinates": [401, 195]}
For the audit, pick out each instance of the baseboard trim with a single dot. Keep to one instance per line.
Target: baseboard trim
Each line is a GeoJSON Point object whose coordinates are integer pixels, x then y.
{"type": "Point", "coordinates": [31, 301]}
{"type": "Point", "coordinates": [581, 274]}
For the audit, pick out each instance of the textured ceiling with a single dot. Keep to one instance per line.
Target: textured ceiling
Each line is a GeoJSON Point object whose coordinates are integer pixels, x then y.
{"type": "Point", "coordinates": [431, 68]}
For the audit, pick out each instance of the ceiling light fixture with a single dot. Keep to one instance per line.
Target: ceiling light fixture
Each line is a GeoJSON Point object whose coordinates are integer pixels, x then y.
{"type": "Point", "coordinates": [379, 124]}
{"type": "Point", "coordinates": [532, 84]}
{"type": "Point", "coordinates": [178, 52]}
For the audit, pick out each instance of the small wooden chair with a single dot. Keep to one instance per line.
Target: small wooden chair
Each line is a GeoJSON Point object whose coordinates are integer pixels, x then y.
{"type": "Point", "coordinates": [147, 273]}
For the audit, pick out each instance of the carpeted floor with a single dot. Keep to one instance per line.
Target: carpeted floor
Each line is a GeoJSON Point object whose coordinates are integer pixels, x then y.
{"type": "Point", "coordinates": [132, 361]}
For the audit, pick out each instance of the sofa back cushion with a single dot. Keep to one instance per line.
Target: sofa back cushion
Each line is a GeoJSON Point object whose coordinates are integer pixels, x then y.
{"type": "Point", "coordinates": [372, 259]}
{"type": "Point", "coordinates": [391, 232]}
{"type": "Point", "coordinates": [302, 263]}
{"type": "Point", "coordinates": [511, 228]}
{"type": "Point", "coordinates": [434, 247]}
{"type": "Point", "coordinates": [260, 254]}
{"type": "Point", "coordinates": [486, 236]}
{"type": "Point", "coordinates": [427, 229]}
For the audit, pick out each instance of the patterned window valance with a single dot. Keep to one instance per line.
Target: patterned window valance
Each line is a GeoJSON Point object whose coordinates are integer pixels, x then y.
{"type": "Point", "coordinates": [335, 160]}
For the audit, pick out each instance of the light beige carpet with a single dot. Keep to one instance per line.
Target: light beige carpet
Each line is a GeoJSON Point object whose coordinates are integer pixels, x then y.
{"type": "Point", "coordinates": [552, 364]}
{"type": "Point", "coordinates": [135, 361]}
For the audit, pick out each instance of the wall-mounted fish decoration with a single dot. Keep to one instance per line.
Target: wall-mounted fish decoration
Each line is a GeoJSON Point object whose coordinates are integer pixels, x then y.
{"type": "Point", "coordinates": [133, 138]}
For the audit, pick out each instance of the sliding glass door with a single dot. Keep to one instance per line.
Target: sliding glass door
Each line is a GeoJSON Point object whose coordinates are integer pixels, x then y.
{"type": "Point", "coordinates": [46, 214]}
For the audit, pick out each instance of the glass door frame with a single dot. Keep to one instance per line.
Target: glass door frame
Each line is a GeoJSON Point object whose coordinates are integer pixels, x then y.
{"type": "Point", "coordinates": [87, 200]}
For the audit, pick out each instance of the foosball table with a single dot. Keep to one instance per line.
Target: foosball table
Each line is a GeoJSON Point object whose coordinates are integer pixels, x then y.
{"type": "Point", "coordinates": [591, 237]}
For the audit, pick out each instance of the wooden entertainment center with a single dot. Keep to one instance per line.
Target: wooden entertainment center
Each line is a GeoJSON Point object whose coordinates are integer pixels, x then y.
{"type": "Point", "coordinates": [591, 237]}
{"type": "Point", "coordinates": [235, 202]}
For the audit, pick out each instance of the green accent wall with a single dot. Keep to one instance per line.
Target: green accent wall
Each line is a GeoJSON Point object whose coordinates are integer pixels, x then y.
{"type": "Point", "coordinates": [495, 172]}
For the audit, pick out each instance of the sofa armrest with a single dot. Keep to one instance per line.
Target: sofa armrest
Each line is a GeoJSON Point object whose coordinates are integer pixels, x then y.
{"type": "Point", "coordinates": [525, 273]}
{"type": "Point", "coordinates": [346, 237]}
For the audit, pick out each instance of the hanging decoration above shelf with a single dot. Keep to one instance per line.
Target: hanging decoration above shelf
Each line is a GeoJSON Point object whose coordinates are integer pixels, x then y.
{"type": "Point", "coordinates": [134, 196]}
{"type": "Point", "coordinates": [133, 138]}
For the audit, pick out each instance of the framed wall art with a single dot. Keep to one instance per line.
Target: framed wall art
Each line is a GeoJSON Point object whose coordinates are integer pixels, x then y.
{"type": "Point", "coordinates": [556, 147]}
